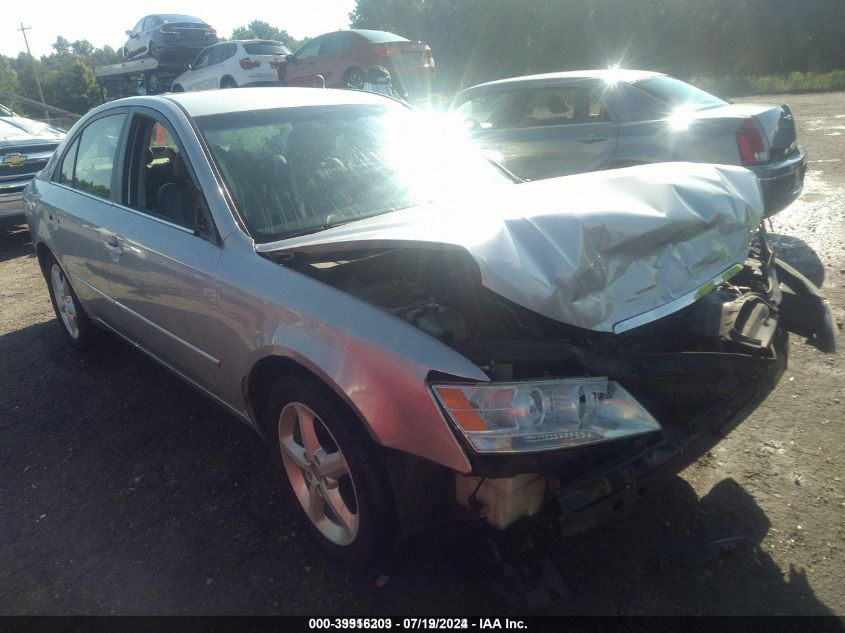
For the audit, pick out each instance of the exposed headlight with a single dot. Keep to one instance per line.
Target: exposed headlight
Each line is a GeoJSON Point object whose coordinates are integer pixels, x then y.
{"type": "Point", "coordinates": [543, 415]}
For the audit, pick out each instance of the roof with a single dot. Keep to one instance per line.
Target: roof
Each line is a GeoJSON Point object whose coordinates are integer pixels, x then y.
{"type": "Point", "coordinates": [177, 17]}
{"type": "Point", "coordinates": [607, 74]}
{"type": "Point", "coordinates": [379, 36]}
{"type": "Point", "coordinates": [208, 102]}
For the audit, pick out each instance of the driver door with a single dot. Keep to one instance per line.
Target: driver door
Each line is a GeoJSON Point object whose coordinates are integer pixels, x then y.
{"type": "Point", "coordinates": [195, 77]}
{"type": "Point", "coordinates": [302, 68]}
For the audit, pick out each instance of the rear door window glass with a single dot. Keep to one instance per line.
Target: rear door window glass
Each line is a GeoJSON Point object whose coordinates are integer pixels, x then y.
{"type": "Point", "coordinates": [265, 48]}
{"type": "Point", "coordinates": [97, 155]}
{"type": "Point", "coordinates": [66, 171]}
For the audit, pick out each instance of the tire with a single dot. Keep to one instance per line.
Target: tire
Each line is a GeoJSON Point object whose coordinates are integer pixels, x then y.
{"type": "Point", "coordinates": [77, 327]}
{"type": "Point", "coordinates": [178, 88]}
{"type": "Point", "coordinates": [335, 474]}
{"type": "Point", "coordinates": [152, 51]}
{"type": "Point", "coordinates": [228, 82]}
{"type": "Point", "coordinates": [354, 78]}
{"type": "Point", "coordinates": [126, 54]}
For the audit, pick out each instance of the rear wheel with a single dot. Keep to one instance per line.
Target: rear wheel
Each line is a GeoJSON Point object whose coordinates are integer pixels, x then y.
{"type": "Point", "coordinates": [76, 325]}
{"type": "Point", "coordinates": [152, 50]}
{"type": "Point", "coordinates": [354, 78]}
{"type": "Point", "coordinates": [178, 88]}
{"type": "Point", "coordinates": [228, 82]}
{"type": "Point", "coordinates": [333, 470]}
{"type": "Point", "coordinates": [126, 55]}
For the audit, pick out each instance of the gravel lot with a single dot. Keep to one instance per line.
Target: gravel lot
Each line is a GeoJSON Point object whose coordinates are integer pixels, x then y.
{"type": "Point", "coordinates": [124, 491]}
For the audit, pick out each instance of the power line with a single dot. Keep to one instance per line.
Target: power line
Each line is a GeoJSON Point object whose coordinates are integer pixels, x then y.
{"type": "Point", "coordinates": [23, 31]}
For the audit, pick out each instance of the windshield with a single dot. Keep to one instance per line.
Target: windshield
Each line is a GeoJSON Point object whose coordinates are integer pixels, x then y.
{"type": "Point", "coordinates": [292, 171]}
{"type": "Point", "coordinates": [677, 94]}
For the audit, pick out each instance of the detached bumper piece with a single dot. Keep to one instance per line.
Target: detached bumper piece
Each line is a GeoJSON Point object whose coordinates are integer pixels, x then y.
{"type": "Point", "coordinates": [804, 310]}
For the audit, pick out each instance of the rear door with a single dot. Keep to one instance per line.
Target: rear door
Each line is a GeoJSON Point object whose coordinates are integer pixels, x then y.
{"type": "Point", "coordinates": [217, 65]}
{"type": "Point", "coordinates": [562, 130]}
{"type": "Point", "coordinates": [78, 203]}
{"type": "Point", "coordinates": [162, 272]}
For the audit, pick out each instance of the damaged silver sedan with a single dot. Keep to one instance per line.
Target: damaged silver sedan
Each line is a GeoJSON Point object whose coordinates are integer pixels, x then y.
{"type": "Point", "coordinates": [417, 334]}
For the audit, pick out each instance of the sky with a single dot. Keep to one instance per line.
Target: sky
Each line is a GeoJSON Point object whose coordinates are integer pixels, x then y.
{"type": "Point", "coordinates": [104, 22]}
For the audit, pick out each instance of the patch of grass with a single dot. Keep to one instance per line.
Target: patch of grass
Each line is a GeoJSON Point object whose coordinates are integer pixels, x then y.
{"type": "Point", "coordinates": [739, 85]}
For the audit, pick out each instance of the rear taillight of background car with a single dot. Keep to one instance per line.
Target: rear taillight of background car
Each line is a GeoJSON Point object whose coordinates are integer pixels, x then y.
{"type": "Point", "coordinates": [383, 50]}
{"type": "Point", "coordinates": [247, 63]}
{"type": "Point", "coordinates": [210, 32]}
{"type": "Point", "coordinates": [752, 142]}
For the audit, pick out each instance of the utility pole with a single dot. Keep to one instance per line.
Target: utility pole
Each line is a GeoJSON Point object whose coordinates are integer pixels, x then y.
{"type": "Point", "coordinates": [23, 31]}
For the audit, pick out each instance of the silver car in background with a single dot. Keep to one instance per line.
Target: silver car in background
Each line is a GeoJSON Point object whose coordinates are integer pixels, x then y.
{"type": "Point", "coordinates": [25, 147]}
{"type": "Point", "coordinates": [571, 122]}
{"type": "Point", "coordinates": [417, 335]}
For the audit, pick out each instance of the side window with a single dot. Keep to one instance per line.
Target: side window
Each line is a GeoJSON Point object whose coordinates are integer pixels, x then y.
{"type": "Point", "coordinates": [160, 181]}
{"type": "Point", "coordinates": [215, 55]}
{"type": "Point", "coordinates": [490, 110]}
{"type": "Point", "coordinates": [311, 49]}
{"type": "Point", "coordinates": [139, 27]}
{"type": "Point", "coordinates": [97, 155]}
{"type": "Point", "coordinates": [65, 172]}
{"type": "Point", "coordinates": [549, 106]}
{"type": "Point", "coordinates": [202, 59]}
{"type": "Point", "coordinates": [332, 44]}
{"type": "Point", "coordinates": [230, 51]}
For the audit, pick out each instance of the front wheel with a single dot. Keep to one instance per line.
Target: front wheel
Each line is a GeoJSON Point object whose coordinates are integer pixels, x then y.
{"type": "Point", "coordinates": [70, 314]}
{"type": "Point", "coordinates": [126, 55]}
{"type": "Point", "coordinates": [333, 470]}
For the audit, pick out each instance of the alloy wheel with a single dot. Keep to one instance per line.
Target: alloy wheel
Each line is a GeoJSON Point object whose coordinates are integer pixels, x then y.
{"type": "Point", "coordinates": [64, 301]}
{"type": "Point", "coordinates": [318, 473]}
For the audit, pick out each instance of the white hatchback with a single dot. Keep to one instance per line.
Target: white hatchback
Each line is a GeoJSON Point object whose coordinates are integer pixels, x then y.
{"type": "Point", "coordinates": [233, 64]}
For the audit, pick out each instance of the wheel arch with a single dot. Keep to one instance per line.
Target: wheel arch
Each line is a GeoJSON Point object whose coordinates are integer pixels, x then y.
{"type": "Point", "coordinates": [228, 78]}
{"type": "Point", "coordinates": [257, 383]}
{"type": "Point", "coordinates": [41, 252]}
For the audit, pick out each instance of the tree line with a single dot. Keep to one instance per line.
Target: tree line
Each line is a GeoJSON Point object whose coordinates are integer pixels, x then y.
{"type": "Point", "coordinates": [482, 40]}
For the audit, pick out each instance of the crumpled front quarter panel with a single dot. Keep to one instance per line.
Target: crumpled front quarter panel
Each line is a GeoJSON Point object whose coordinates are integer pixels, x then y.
{"type": "Point", "coordinates": [375, 362]}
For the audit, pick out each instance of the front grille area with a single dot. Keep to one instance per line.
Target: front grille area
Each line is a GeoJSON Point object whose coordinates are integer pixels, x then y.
{"type": "Point", "coordinates": [27, 169]}
{"type": "Point", "coordinates": [29, 149]}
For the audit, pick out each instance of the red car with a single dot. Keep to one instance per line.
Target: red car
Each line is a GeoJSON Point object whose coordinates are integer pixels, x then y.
{"type": "Point", "coordinates": [344, 57]}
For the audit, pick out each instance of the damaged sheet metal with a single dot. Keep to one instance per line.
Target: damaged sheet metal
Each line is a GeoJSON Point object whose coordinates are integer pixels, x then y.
{"type": "Point", "coordinates": [592, 250]}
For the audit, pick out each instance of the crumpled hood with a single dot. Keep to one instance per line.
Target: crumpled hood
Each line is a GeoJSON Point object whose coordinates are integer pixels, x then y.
{"type": "Point", "coordinates": [591, 250]}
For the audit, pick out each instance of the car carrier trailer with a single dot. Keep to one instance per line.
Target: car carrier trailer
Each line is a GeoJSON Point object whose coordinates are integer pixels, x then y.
{"type": "Point", "coordinates": [146, 76]}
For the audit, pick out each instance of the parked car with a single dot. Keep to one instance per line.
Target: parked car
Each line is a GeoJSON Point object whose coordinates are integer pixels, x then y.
{"type": "Point", "coordinates": [169, 37]}
{"type": "Point", "coordinates": [344, 57]}
{"type": "Point", "coordinates": [565, 123]}
{"type": "Point", "coordinates": [415, 333]}
{"type": "Point", "coordinates": [25, 147]}
{"type": "Point", "coordinates": [233, 64]}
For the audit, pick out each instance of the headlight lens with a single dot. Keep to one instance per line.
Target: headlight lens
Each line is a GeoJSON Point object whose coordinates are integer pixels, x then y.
{"type": "Point", "coordinates": [543, 415]}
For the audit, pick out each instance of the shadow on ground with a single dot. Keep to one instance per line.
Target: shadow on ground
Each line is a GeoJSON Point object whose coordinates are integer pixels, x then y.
{"type": "Point", "coordinates": [14, 242]}
{"type": "Point", "coordinates": [124, 491]}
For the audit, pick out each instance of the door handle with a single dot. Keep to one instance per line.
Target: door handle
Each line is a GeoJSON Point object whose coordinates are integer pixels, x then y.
{"type": "Point", "coordinates": [591, 139]}
{"type": "Point", "coordinates": [112, 245]}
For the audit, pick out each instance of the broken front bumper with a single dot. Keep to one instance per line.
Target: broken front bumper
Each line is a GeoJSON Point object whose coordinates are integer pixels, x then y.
{"type": "Point", "coordinates": [608, 491]}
